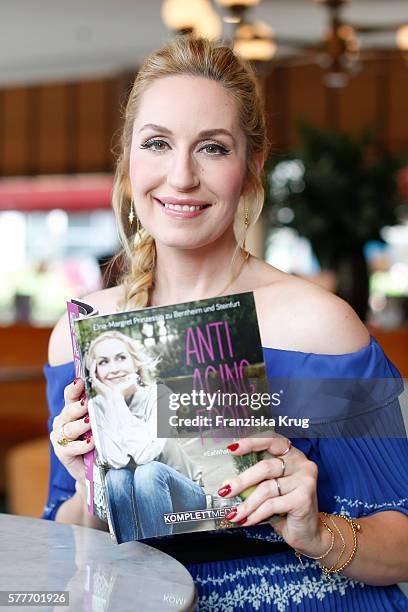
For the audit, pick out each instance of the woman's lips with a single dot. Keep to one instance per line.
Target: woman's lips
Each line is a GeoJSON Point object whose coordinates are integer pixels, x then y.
{"type": "Point", "coordinates": [182, 210]}
{"type": "Point", "coordinates": [117, 379]}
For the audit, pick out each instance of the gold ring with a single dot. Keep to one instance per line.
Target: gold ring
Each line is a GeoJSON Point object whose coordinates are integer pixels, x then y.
{"type": "Point", "coordinates": [278, 486]}
{"type": "Point", "coordinates": [287, 450]}
{"type": "Point", "coordinates": [63, 440]}
{"type": "Point", "coordinates": [283, 467]}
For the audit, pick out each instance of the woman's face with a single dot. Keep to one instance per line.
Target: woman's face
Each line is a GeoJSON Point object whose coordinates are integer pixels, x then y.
{"type": "Point", "coordinates": [187, 161]}
{"type": "Point", "coordinates": [113, 362]}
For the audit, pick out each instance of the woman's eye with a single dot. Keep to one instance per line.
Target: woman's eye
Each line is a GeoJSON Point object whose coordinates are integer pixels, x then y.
{"type": "Point", "coordinates": [155, 145]}
{"type": "Point", "coordinates": [102, 362]}
{"type": "Point", "coordinates": [215, 149]}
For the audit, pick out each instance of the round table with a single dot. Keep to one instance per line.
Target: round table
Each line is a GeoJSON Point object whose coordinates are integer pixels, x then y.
{"type": "Point", "coordinates": [99, 575]}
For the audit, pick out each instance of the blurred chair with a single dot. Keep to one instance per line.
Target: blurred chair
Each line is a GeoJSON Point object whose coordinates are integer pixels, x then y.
{"type": "Point", "coordinates": [23, 404]}
{"type": "Point", "coordinates": [27, 469]}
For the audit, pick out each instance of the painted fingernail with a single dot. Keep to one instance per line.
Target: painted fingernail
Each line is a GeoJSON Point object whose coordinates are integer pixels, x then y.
{"type": "Point", "coordinates": [88, 440]}
{"type": "Point", "coordinates": [242, 521]}
{"type": "Point", "coordinates": [233, 447]}
{"type": "Point", "coordinates": [83, 401]}
{"type": "Point", "coordinates": [76, 381]}
{"type": "Point", "coordinates": [86, 418]}
{"type": "Point", "coordinates": [231, 514]}
{"type": "Point", "coordinates": [225, 490]}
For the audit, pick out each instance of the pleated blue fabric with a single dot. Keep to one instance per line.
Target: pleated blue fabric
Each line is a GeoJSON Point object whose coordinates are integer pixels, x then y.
{"type": "Point", "coordinates": [357, 477]}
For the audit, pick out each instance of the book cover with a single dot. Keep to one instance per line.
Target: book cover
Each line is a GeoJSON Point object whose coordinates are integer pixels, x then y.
{"type": "Point", "coordinates": [168, 389]}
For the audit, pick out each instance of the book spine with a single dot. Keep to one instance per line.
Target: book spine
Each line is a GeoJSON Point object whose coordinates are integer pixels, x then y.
{"type": "Point", "coordinates": [73, 316]}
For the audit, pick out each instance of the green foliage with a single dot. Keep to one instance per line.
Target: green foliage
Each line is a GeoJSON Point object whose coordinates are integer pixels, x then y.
{"type": "Point", "coordinates": [341, 193]}
{"type": "Point", "coordinates": [243, 462]}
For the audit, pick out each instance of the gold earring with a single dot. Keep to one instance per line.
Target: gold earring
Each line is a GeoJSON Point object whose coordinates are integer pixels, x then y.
{"type": "Point", "coordinates": [132, 212]}
{"type": "Point", "coordinates": [246, 225]}
{"type": "Point", "coordinates": [137, 238]}
{"type": "Point", "coordinates": [138, 228]}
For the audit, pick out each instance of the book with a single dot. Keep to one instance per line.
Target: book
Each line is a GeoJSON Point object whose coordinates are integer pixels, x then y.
{"type": "Point", "coordinates": [169, 388]}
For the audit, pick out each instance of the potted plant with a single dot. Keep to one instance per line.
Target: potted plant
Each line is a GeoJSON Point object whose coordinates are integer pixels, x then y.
{"type": "Point", "coordinates": [341, 193]}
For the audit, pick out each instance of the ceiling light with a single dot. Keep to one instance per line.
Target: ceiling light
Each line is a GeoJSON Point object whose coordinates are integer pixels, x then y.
{"type": "Point", "coordinates": [254, 42]}
{"type": "Point", "coordinates": [346, 32]}
{"type": "Point", "coordinates": [210, 24]}
{"type": "Point", "coordinates": [255, 50]}
{"type": "Point", "coordinates": [196, 16]}
{"type": "Point", "coordinates": [402, 38]}
{"type": "Point", "coordinates": [229, 3]}
{"type": "Point", "coordinates": [234, 10]}
{"type": "Point", "coordinates": [259, 29]}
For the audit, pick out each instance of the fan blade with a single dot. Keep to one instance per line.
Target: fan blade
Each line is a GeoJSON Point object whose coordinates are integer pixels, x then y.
{"type": "Point", "coordinates": [298, 43]}
{"type": "Point", "coordinates": [294, 61]}
{"type": "Point", "coordinates": [379, 53]}
{"type": "Point", "coordinates": [376, 28]}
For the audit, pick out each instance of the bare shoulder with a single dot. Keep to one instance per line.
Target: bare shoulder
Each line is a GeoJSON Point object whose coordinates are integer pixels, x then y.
{"type": "Point", "coordinates": [295, 314]}
{"type": "Point", "coordinates": [59, 347]}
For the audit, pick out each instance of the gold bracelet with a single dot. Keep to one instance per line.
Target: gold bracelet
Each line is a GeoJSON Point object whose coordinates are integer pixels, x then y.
{"type": "Point", "coordinates": [355, 527]}
{"type": "Point", "coordinates": [299, 554]}
{"type": "Point", "coordinates": [343, 543]}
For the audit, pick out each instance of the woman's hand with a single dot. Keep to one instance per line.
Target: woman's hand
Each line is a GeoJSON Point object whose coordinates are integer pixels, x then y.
{"type": "Point", "coordinates": [98, 386]}
{"type": "Point", "coordinates": [130, 385]}
{"type": "Point", "coordinates": [74, 420]}
{"type": "Point", "coordinates": [285, 484]}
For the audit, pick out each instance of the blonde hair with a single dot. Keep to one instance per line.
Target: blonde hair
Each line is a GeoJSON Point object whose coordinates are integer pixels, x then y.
{"type": "Point", "coordinates": [145, 365]}
{"type": "Point", "coordinates": [201, 58]}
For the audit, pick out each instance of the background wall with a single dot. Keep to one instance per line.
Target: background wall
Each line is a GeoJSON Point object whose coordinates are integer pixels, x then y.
{"type": "Point", "coordinates": [377, 98]}
{"type": "Point", "coordinates": [70, 127]}
{"type": "Point", "coordinates": [59, 128]}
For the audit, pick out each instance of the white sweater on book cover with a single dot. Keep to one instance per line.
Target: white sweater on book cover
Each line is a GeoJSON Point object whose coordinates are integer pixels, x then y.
{"type": "Point", "coordinates": [123, 432]}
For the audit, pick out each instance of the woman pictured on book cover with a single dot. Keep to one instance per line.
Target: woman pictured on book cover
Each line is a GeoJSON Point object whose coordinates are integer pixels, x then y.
{"type": "Point", "coordinates": [188, 187]}
{"type": "Point", "coordinates": [146, 476]}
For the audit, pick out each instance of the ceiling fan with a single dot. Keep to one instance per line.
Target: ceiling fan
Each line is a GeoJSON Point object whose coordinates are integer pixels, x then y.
{"type": "Point", "coordinates": [341, 51]}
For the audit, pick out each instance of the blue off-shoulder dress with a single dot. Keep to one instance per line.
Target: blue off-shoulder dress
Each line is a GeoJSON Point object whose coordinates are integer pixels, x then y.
{"type": "Point", "coordinates": [357, 477]}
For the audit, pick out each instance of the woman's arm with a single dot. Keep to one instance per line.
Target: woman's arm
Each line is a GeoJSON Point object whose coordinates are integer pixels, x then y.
{"type": "Point", "coordinates": [75, 511]}
{"type": "Point", "coordinates": [321, 323]}
{"type": "Point", "coordinates": [382, 553]}
{"type": "Point", "coordinates": [381, 557]}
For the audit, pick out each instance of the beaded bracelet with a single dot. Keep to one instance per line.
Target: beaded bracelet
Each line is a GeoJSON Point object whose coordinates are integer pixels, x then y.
{"type": "Point", "coordinates": [298, 554]}
{"type": "Point", "coordinates": [355, 528]}
{"type": "Point", "coordinates": [343, 542]}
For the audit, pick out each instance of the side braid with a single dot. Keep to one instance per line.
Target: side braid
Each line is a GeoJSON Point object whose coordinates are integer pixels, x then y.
{"type": "Point", "coordinates": [140, 278]}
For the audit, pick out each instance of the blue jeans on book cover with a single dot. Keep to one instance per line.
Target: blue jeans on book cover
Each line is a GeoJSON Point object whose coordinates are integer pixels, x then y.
{"type": "Point", "coordinates": [139, 498]}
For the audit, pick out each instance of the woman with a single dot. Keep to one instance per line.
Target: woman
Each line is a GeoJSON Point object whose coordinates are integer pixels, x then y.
{"type": "Point", "coordinates": [146, 476]}
{"type": "Point", "coordinates": [194, 146]}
